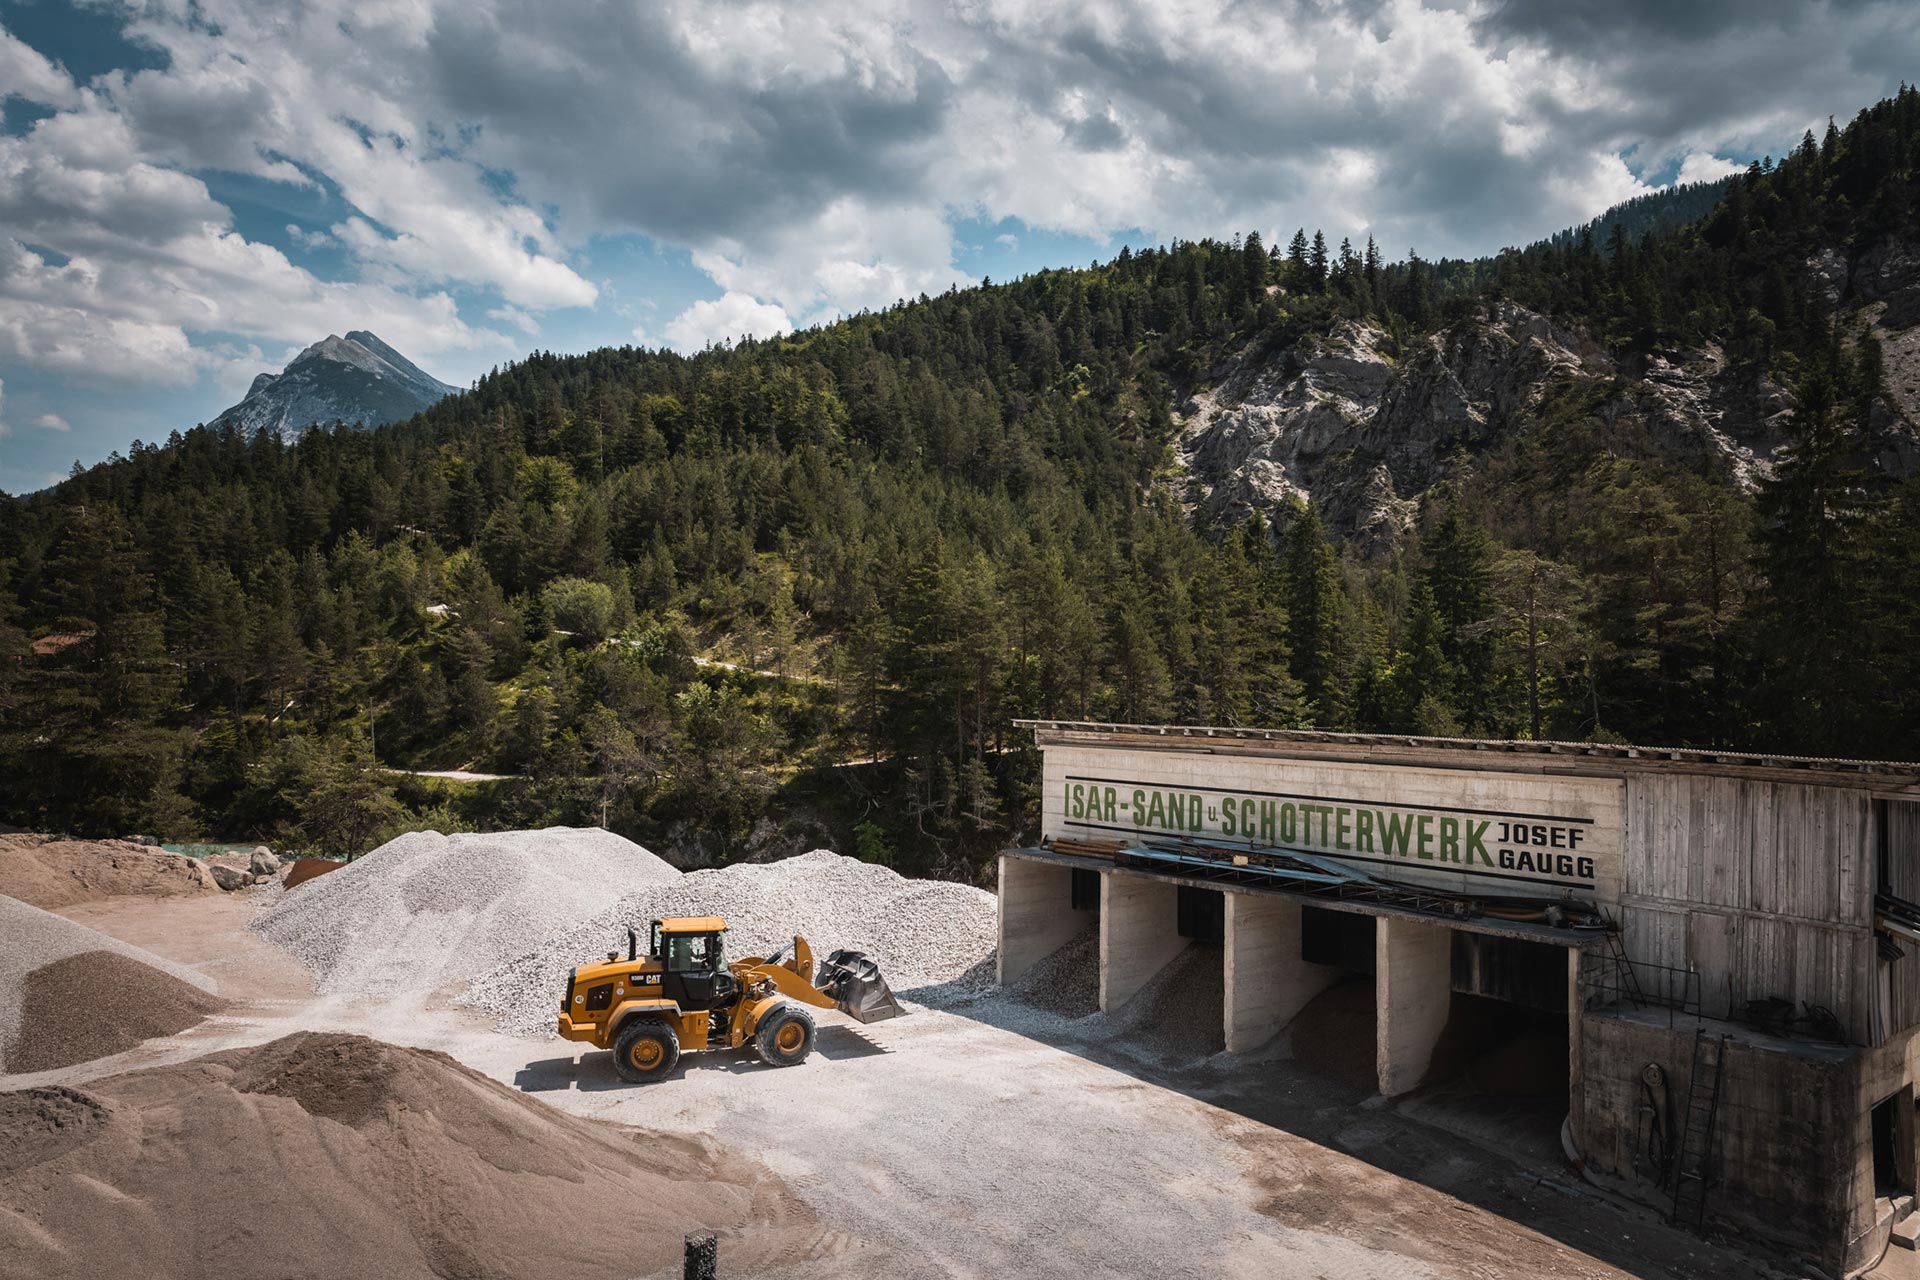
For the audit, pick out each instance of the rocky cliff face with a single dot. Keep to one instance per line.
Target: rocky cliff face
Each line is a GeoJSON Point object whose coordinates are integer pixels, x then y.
{"type": "Point", "coordinates": [355, 379]}
{"type": "Point", "coordinates": [1340, 421]}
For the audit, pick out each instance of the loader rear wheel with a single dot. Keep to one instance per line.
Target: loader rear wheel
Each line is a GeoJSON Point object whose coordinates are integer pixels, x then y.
{"type": "Point", "coordinates": [784, 1037]}
{"type": "Point", "coordinates": [645, 1050]}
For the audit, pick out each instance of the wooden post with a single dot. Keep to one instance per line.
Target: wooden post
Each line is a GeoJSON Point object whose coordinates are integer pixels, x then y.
{"type": "Point", "coordinates": [703, 1255]}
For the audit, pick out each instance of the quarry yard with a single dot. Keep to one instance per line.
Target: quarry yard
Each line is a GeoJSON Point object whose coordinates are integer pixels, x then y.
{"type": "Point", "coordinates": [987, 1136]}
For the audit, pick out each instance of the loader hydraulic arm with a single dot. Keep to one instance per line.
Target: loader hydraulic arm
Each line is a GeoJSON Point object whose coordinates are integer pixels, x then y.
{"type": "Point", "coordinates": [786, 982]}
{"type": "Point", "coordinates": [847, 981]}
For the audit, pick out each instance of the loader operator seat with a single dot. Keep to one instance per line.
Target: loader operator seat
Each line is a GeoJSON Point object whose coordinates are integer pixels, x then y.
{"type": "Point", "coordinates": [696, 974]}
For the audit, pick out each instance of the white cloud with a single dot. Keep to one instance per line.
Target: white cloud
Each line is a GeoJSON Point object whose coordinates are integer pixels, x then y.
{"type": "Point", "coordinates": [52, 422]}
{"type": "Point", "coordinates": [724, 319]}
{"type": "Point", "coordinates": [813, 158]}
{"type": "Point", "coordinates": [1699, 166]}
{"type": "Point", "coordinates": [1590, 191]}
{"type": "Point", "coordinates": [849, 257]}
{"type": "Point", "coordinates": [5, 430]}
{"type": "Point", "coordinates": [26, 73]}
{"type": "Point", "coordinates": [515, 317]}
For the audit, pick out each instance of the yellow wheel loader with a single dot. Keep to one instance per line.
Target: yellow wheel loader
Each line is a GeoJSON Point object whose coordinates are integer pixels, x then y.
{"type": "Point", "coordinates": [684, 995]}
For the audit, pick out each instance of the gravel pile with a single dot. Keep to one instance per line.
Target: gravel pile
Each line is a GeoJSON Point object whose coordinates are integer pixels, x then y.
{"type": "Point", "coordinates": [1177, 1017]}
{"type": "Point", "coordinates": [922, 933]}
{"type": "Point", "coordinates": [1181, 1013]}
{"type": "Point", "coordinates": [95, 1004]}
{"type": "Point", "coordinates": [36, 939]}
{"type": "Point", "coordinates": [1334, 1034]}
{"type": "Point", "coordinates": [1066, 982]}
{"type": "Point", "coordinates": [424, 911]}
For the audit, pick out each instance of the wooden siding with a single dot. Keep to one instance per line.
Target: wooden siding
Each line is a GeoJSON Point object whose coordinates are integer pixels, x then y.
{"type": "Point", "coordinates": [1765, 888]}
{"type": "Point", "coordinates": [1900, 979]}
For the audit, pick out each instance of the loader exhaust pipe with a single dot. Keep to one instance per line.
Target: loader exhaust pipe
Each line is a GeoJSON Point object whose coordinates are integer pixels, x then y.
{"type": "Point", "coordinates": [857, 988]}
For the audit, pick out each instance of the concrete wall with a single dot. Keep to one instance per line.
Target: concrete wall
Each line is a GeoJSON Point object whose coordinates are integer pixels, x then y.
{"type": "Point", "coordinates": [1139, 934]}
{"type": "Point", "coordinates": [1413, 995]}
{"type": "Point", "coordinates": [1267, 981]}
{"type": "Point", "coordinates": [1787, 1161]}
{"type": "Point", "coordinates": [1451, 820]}
{"type": "Point", "coordinates": [1036, 914]}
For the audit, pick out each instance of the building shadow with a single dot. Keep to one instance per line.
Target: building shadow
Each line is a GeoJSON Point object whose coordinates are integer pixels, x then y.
{"type": "Point", "coordinates": [1319, 1093]}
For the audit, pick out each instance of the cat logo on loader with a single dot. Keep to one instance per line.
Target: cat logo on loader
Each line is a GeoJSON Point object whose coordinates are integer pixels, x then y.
{"type": "Point", "coordinates": [683, 995]}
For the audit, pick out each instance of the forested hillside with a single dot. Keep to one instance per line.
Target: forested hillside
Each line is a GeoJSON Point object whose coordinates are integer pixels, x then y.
{"type": "Point", "coordinates": [814, 579]}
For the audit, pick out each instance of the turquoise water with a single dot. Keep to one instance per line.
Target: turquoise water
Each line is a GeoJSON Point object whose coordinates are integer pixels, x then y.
{"type": "Point", "coordinates": [207, 850]}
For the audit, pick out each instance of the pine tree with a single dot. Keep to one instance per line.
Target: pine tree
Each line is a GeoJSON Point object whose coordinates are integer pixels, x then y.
{"type": "Point", "coordinates": [1458, 571]}
{"type": "Point", "coordinates": [1817, 508]}
{"type": "Point", "coordinates": [1316, 606]}
{"type": "Point", "coordinates": [1421, 693]}
{"type": "Point", "coordinates": [1254, 267]}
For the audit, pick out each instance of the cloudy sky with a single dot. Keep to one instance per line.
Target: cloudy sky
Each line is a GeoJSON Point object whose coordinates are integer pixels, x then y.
{"type": "Point", "coordinates": [192, 190]}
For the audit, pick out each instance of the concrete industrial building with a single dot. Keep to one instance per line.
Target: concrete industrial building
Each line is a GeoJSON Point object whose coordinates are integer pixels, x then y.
{"type": "Point", "coordinates": [1729, 940]}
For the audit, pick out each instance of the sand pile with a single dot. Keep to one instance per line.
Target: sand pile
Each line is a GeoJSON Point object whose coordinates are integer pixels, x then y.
{"type": "Point", "coordinates": [922, 933]}
{"type": "Point", "coordinates": [98, 1003]}
{"type": "Point", "coordinates": [427, 910]}
{"type": "Point", "coordinates": [337, 1155]}
{"type": "Point", "coordinates": [47, 871]}
{"type": "Point", "coordinates": [305, 869]}
{"type": "Point", "coordinates": [37, 942]}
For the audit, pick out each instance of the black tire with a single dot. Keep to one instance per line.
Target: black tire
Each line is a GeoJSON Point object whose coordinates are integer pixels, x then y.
{"type": "Point", "coordinates": [778, 1049]}
{"type": "Point", "coordinates": [645, 1050]}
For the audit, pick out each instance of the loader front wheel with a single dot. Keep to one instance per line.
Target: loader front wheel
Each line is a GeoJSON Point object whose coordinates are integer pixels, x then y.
{"type": "Point", "coordinates": [645, 1050]}
{"type": "Point", "coordinates": [784, 1037]}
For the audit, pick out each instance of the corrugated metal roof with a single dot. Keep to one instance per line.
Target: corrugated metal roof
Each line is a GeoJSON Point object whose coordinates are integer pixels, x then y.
{"type": "Point", "coordinates": [1596, 751]}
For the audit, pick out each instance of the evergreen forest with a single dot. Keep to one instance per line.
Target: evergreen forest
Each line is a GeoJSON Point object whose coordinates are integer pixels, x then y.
{"type": "Point", "coordinates": [800, 589]}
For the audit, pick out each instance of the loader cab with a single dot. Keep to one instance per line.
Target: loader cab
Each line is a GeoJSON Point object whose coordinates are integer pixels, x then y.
{"type": "Point", "coordinates": [692, 959]}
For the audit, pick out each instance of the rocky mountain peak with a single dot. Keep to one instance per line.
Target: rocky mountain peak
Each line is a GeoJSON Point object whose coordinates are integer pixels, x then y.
{"type": "Point", "coordinates": [355, 379]}
{"type": "Point", "coordinates": [1361, 430]}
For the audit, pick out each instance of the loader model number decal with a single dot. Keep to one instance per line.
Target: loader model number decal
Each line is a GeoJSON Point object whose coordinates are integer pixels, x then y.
{"type": "Point", "coordinates": [1513, 846]}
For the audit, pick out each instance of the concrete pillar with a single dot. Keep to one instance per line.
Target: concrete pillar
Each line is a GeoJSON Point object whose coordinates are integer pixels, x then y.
{"type": "Point", "coordinates": [1576, 1088]}
{"type": "Point", "coordinates": [1036, 914]}
{"type": "Point", "coordinates": [1413, 992]}
{"type": "Point", "coordinates": [1139, 933]}
{"type": "Point", "coordinates": [1267, 981]}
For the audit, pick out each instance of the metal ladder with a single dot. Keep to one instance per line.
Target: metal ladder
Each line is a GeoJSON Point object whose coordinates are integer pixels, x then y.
{"type": "Point", "coordinates": [1696, 1134]}
{"type": "Point", "coordinates": [1629, 980]}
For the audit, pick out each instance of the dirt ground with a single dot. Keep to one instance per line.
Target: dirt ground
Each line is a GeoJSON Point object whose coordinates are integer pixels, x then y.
{"type": "Point", "coordinates": [974, 1144]}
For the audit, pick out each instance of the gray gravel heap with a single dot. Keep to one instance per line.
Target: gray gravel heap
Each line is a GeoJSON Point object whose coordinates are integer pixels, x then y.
{"type": "Point", "coordinates": [921, 932]}
{"type": "Point", "coordinates": [35, 938]}
{"type": "Point", "coordinates": [425, 911]}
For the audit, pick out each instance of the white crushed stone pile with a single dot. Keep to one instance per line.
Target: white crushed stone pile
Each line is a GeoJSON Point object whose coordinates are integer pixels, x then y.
{"type": "Point", "coordinates": [922, 933]}
{"type": "Point", "coordinates": [425, 911]}
{"type": "Point", "coordinates": [34, 938]}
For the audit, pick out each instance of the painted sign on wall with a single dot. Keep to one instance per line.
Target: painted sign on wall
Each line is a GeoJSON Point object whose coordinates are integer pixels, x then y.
{"type": "Point", "coordinates": [1478, 832]}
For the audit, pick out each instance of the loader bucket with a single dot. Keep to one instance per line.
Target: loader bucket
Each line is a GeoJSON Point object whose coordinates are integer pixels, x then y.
{"type": "Point", "coordinates": [857, 988]}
